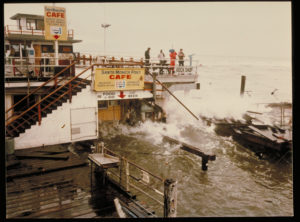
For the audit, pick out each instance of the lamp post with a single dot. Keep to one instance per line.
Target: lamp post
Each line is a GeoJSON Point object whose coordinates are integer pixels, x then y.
{"type": "Point", "coordinates": [105, 26]}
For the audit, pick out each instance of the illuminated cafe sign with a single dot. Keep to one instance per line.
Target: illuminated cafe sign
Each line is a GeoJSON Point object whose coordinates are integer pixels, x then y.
{"type": "Point", "coordinates": [111, 79]}
{"type": "Point", "coordinates": [118, 95]}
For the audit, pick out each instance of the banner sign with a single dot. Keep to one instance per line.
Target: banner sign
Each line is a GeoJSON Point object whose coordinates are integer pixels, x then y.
{"type": "Point", "coordinates": [184, 70]}
{"type": "Point", "coordinates": [117, 95]}
{"type": "Point", "coordinates": [55, 23]}
{"type": "Point", "coordinates": [110, 79]}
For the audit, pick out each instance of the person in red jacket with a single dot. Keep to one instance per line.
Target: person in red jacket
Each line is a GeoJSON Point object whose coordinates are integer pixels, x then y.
{"type": "Point", "coordinates": [173, 55]}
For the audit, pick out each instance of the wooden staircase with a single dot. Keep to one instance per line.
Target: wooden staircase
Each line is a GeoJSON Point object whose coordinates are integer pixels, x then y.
{"type": "Point", "coordinates": [54, 97]}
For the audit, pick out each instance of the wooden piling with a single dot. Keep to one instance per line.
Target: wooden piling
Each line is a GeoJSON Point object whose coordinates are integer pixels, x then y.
{"type": "Point", "coordinates": [170, 198]}
{"type": "Point", "coordinates": [243, 82]}
{"type": "Point", "coordinates": [154, 86]}
{"type": "Point", "coordinates": [127, 175]}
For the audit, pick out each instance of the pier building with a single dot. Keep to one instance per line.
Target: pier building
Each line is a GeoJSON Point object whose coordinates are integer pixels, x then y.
{"type": "Point", "coordinates": [54, 95]}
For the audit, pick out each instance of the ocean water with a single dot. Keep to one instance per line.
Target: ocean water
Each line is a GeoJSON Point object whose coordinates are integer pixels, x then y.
{"type": "Point", "coordinates": [237, 183]}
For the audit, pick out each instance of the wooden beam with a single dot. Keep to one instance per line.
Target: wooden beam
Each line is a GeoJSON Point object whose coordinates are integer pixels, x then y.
{"type": "Point", "coordinates": [120, 212]}
{"type": "Point", "coordinates": [194, 150]}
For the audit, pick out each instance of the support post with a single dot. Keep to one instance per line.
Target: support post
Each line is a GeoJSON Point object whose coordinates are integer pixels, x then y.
{"type": "Point", "coordinates": [154, 87]}
{"type": "Point", "coordinates": [170, 198]}
{"type": "Point", "coordinates": [204, 162]}
{"type": "Point", "coordinates": [55, 82]}
{"type": "Point", "coordinates": [243, 82]}
{"type": "Point", "coordinates": [39, 114]}
{"type": "Point", "coordinates": [127, 175]}
{"type": "Point", "coordinates": [120, 172]}
{"type": "Point", "coordinates": [14, 66]}
{"type": "Point", "coordinates": [91, 175]}
{"type": "Point", "coordinates": [56, 52]}
{"type": "Point", "coordinates": [70, 92]}
{"type": "Point", "coordinates": [83, 59]}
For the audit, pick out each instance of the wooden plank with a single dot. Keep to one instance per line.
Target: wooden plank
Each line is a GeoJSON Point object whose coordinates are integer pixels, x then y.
{"type": "Point", "coordinates": [105, 161]}
{"type": "Point", "coordinates": [12, 163]}
{"type": "Point", "coordinates": [39, 167]}
{"type": "Point", "coordinates": [42, 156]}
{"type": "Point", "coordinates": [57, 207]}
{"type": "Point", "coordinates": [266, 134]}
{"type": "Point", "coordinates": [191, 149]}
{"type": "Point", "coordinates": [120, 212]}
{"type": "Point", "coordinates": [43, 201]}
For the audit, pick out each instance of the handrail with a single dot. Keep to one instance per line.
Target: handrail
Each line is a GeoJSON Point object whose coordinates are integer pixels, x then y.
{"type": "Point", "coordinates": [36, 104]}
{"type": "Point", "coordinates": [41, 86]}
{"type": "Point", "coordinates": [39, 102]}
{"type": "Point", "coordinates": [52, 102]}
{"type": "Point", "coordinates": [56, 83]}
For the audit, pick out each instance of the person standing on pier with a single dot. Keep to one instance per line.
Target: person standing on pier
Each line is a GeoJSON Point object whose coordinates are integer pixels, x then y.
{"type": "Point", "coordinates": [181, 58]}
{"type": "Point", "coordinates": [162, 61]}
{"type": "Point", "coordinates": [147, 59]}
{"type": "Point", "coordinates": [173, 55]}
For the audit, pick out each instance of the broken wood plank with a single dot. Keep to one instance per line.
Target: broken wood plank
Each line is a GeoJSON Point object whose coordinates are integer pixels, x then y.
{"type": "Point", "coordinates": [266, 134]}
{"type": "Point", "coordinates": [194, 150]}
{"type": "Point", "coordinates": [120, 212]}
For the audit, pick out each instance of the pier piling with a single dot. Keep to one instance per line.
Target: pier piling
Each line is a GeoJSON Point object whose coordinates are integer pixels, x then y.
{"type": "Point", "coordinates": [170, 198]}
{"type": "Point", "coordinates": [243, 83]}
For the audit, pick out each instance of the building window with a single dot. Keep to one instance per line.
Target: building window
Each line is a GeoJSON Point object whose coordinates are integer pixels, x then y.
{"type": "Point", "coordinates": [15, 50]}
{"type": "Point", "coordinates": [40, 25]}
{"type": "Point", "coordinates": [30, 24]}
{"type": "Point", "coordinates": [47, 48]}
{"type": "Point", "coordinates": [102, 104]}
{"type": "Point", "coordinates": [65, 49]}
{"type": "Point", "coordinates": [114, 103]}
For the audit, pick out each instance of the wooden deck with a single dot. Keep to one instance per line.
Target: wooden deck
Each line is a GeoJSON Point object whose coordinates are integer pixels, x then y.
{"type": "Point", "coordinates": [55, 183]}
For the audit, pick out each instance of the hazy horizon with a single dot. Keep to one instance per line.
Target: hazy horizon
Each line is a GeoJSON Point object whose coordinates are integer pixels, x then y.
{"type": "Point", "coordinates": [260, 29]}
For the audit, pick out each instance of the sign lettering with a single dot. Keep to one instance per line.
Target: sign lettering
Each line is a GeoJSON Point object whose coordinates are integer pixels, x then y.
{"type": "Point", "coordinates": [55, 23]}
{"type": "Point", "coordinates": [110, 79]}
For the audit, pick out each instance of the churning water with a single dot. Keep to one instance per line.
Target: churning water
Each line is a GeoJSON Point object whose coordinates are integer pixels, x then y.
{"type": "Point", "coordinates": [237, 183]}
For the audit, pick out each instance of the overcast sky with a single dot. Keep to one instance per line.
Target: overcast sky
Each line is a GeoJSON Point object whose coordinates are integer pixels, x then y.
{"type": "Point", "coordinates": [205, 28]}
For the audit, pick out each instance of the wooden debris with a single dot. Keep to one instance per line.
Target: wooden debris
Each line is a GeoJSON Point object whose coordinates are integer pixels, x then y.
{"type": "Point", "coordinates": [119, 208]}
{"type": "Point", "coordinates": [194, 150]}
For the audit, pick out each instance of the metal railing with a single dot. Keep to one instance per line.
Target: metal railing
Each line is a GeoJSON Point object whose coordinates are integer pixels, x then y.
{"type": "Point", "coordinates": [10, 119]}
{"type": "Point", "coordinates": [25, 66]}
{"type": "Point", "coordinates": [133, 178]}
{"type": "Point", "coordinates": [24, 30]}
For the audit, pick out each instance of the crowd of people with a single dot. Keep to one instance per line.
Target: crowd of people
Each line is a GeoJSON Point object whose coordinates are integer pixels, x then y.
{"type": "Point", "coordinates": [163, 61]}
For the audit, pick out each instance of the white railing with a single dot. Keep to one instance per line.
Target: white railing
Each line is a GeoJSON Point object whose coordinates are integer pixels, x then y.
{"type": "Point", "coordinates": [44, 65]}
{"type": "Point", "coordinates": [26, 66]}
{"type": "Point", "coordinates": [24, 30]}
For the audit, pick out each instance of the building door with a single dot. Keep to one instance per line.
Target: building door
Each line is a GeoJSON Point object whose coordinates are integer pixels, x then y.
{"type": "Point", "coordinates": [84, 123]}
{"type": "Point", "coordinates": [109, 110]}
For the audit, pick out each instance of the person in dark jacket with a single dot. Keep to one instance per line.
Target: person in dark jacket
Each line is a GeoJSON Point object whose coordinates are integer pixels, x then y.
{"type": "Point", "coordinates": [181, 58]}
{"type": "Point", "coordinates": [147, 56]}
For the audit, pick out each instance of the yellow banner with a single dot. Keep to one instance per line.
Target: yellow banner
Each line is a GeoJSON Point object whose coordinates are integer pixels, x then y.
{"type": "Point", "coordinates": [55, 23]}
{"type": "Point", "coordinates": [109, 79]}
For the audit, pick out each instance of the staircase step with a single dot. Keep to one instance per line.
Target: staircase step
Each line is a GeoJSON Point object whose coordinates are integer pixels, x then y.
{"type": "Point", "coordinates": [31, 117]}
